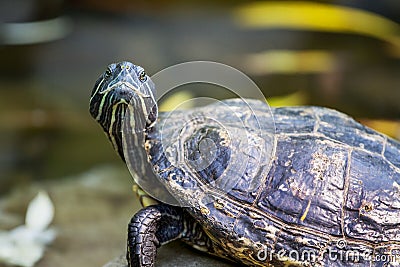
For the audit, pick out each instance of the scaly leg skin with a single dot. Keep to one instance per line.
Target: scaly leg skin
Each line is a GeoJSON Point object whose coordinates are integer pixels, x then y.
{"type": "Point", "coordinates": [150, 228]}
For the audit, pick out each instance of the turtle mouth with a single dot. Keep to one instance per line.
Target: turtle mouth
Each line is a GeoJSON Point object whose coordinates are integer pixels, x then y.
{"type": "Point", "coordinates": [124, 92]}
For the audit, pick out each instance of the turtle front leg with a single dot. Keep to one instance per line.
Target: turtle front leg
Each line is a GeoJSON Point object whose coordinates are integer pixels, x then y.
{"type": "Point", "coordinates": [150, 228]}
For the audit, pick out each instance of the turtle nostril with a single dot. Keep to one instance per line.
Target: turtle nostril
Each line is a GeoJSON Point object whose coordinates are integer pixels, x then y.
{"type": "Point", "coordinates": [125, 66]}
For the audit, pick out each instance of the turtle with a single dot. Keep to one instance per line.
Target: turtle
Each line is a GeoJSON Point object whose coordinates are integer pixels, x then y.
{"type": "Point", "coordinates": [329, 194]}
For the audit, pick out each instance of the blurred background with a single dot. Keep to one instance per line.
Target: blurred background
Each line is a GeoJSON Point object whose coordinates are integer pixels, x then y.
{"type": "Point", "coordinates": [339, 54]}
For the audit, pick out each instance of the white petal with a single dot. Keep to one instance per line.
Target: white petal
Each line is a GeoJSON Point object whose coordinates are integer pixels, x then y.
{"type": "Point", "coordinates": [24, 253]}
{"type": "Point", "coordinates": [40, 212]}
{"type": "Point", "coordinates": [23, 234]}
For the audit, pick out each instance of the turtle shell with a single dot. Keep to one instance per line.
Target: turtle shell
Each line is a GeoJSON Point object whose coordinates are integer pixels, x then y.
{"type": "Point", "coordinates": [316, 187]}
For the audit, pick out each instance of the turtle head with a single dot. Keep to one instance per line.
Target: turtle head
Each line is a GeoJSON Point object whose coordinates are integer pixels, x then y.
{"type": "Point", "coordinates": [123, 89]}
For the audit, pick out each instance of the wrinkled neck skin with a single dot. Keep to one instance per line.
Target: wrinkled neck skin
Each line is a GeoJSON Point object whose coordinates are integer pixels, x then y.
{"type": "Point", "coordinates": [132, 122]}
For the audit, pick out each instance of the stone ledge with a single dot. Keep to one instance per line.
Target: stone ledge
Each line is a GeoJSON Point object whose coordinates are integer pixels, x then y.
{"type": "Point", "coordinates": [177, 254]}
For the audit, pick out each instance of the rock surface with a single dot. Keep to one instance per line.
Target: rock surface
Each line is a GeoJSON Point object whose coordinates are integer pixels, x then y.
{"type": "Point", "coordinates": [177, 254]}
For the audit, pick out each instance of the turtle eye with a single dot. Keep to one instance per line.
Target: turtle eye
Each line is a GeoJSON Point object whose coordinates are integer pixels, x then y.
{"type": "Point", "coordinates": [142, 76]}
{"type": "Point", "coordinates": [108, 73]}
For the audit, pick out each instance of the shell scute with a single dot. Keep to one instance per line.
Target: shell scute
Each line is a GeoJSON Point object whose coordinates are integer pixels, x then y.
{"type": "Point", "coordinates": [342, 128]}
{"type": "Point", "coordinates": [313, 194]}
{"type": "Point", "coordinates": [392, 149]}
{"type": "Point", "coordinates": [372, 208]}
{"type": "Point", "coordinates": [284, 122]}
